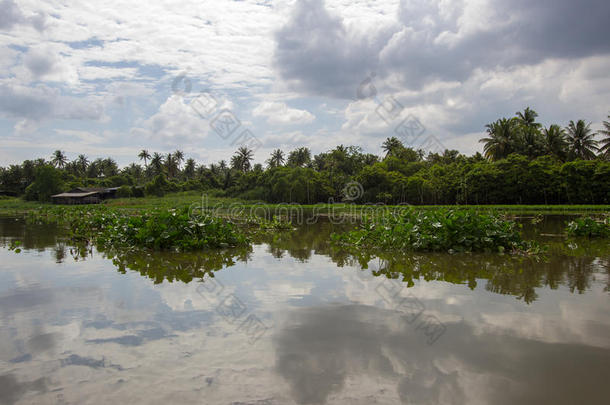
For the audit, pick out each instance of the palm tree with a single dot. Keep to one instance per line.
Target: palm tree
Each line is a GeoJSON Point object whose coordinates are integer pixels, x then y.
{"type": "Point", "coordinates": [189, 168]}
{"type": "Point", "coordinates": [59, 159]}
{"type": "Point", "coordinates": [179, 157]}
{"type": "Point", "coordinates": [500, 142]}
{"type": "Point", "coordinates": [605, 148]}
{"type": "Point", "coordinates": [527, 118]}
{"type": "Point", "coordinates": [144, 155]}
{"type": "Point", "coordinates": [83, 163]}
{"type": "Point", "coordinates": [156, 162]}
{"type": "Point", "coordinates": [299, 157]}
{"type": "Point", "coordinates": [555, 141]}
{"type": "Point", "coordinates": [241, 159]}
{"type": "Point", "coordinates": [581, 140]}
{"type": "Point", "coordinates": [109, 167]}
{"type": "Point", "coordinates": [276, 159]}
{"type": "Point", "coordinates": [391, 146]}
{"type": "Point", "coordinates": [171, 165]}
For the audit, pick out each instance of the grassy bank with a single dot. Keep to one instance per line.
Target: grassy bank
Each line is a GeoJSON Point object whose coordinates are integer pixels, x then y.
{"type": "Point", "coordinates": [195, 200]}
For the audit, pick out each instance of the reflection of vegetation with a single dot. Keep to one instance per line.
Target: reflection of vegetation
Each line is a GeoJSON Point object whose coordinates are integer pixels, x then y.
{"type": "Point", "coordinates": [170, 266]}
{"type": "Point", "coordinates": [184, 267]}
{"type": "Point", "coordinates": [510, 275]}
{"type": "Point", "coordinates": [438, 230]}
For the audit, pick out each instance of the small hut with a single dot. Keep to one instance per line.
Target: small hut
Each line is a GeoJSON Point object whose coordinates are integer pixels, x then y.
{"type": "Point", "coordinates": [85, 195]}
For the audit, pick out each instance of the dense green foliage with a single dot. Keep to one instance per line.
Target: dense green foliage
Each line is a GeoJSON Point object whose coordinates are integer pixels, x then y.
{"type": "Point", "coordinates": [47, 182]}
{"type": "Point", "coordinates": [524, 163]}
{"type": "Point", "coordinates": [157, 230]}
{"type": "Point", "coordinates": [437, 230]}
{"type": "Point", "coordinates": [590, 227]}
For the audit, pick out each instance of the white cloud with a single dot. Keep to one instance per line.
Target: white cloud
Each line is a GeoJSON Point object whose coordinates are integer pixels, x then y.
{"type": "Point", "coordinates": [279, 113]}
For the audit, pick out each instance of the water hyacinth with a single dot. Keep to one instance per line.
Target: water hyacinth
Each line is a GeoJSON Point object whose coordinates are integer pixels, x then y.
{"type": "Point", "coordinates": [155, 229]}
{"type": "Point", "coordinates": [589, 227]}
{"type": "Point", "coordinates": [439, 230]}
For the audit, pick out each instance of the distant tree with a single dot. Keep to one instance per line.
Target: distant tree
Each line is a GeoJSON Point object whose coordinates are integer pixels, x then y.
{"type": "Point", "coordinates": [156, 163]}
{"type": "Point", "coordinates": [242, 159]}
{"type": "Point", "coordinates": [527, 118]}
{"type": "Point", "coordinates": [47, 182]}
{"type": "Point", "coordinates": [555, 143]}
{"type": "Point", "coordinates": [276, 159]}
{"type": "Point", "coordinates": [605, 143]}
{"type": "Point", "coordinates": [171, 165]}
{"type": "Point", "coordinates": [299, 157]}
{"type": "Point", "coordinates": [391, 146]}
{"type": "Point", "coordinates": [109, 167]}
{"type": "Point", "coordinates": [82, 163]}
{"type": "Point", "coordinates": [500, 142]}
{"type": "Point", "coordinates": [144, 155]}
{"type": "Point", "coordinates": [179, 157]}
{"type": "Point", "coordinates": [59, 159]}
{"type": "Point", "coordinates": [189, 168]}
{"type": "Point", "coordinates": [581, 140]}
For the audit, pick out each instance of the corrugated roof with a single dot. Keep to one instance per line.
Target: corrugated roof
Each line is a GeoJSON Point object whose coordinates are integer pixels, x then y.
{"type": "Point", "coordinates": [74, 195]}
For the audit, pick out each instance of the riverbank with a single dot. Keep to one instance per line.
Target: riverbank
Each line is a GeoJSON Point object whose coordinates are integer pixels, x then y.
{"type": "Point", "coordinates": [197, 201]}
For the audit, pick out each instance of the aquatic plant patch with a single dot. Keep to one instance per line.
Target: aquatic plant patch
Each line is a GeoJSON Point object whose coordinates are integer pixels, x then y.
{"type": "Point", "coordinates": [439, 230]}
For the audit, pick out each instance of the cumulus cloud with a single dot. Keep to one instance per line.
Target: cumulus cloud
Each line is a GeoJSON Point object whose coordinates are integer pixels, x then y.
{"type": "Point", "coordinates": [30, 105]}
{"type": "Point", "coordinates": [11, 15]}
{"type": "Point", "coordinates": [435, 40]}
{"type": "Point", "coordinates": [280, 113]}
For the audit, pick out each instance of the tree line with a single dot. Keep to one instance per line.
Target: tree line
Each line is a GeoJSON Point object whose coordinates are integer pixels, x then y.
{"type": "Point", "coordinates": [523, 163]}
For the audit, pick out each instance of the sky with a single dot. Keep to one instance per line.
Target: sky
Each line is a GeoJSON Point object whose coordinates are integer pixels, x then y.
{"type": "Point", "coordinates": [112, 78]}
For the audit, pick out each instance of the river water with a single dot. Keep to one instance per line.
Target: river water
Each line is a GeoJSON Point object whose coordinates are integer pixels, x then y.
{"type": "Point", "coordinates": [294, 321]}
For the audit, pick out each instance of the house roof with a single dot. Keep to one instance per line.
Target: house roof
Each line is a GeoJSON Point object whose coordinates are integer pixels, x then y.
{"type": "Point", "coordinates": [75, 195]}
{"type": "Point", "coordinates": [87, 189]}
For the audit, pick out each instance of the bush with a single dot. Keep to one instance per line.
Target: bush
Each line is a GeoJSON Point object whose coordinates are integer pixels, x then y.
{"type": "Point", "coordinates": [137, 192]}
{"type": "Point", "coordinates": [157, 230]}
{"type": "Point", "coordinates": [47, 181]}
{"type": "Point", "coordinates": [159, 186]}
{"type": "Point", "coordinates": [437, 230]}
{"type": "Point", "coordinates": [589, 227]}
{"type": "Point", "coordinates": [124, 192]}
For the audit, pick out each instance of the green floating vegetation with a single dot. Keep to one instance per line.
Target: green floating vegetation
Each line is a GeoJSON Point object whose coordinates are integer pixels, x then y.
{"type": "Point", "coordinates": [157, 229]}
{"type": "Point", "coordinates": [590, 227]}
{"type": "Point", "coordinates": [439, 230]}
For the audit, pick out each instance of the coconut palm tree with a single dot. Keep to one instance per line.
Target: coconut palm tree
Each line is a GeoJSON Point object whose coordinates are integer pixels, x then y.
{"type": "Point", "coordinates": [581, 140]}
{"type": "Point", "coordinates": [391, 146]}
{"type": "Point", "coordinates": [171, 165]}
{"type": "Point", "coordinates": [605, 143]}
{"type": "Point", "coordinates": [179, 157]}
{"type": "Point", "coordinates": [144, 155]}
{"type": "Point", "coordinates": [299, 157]}
{"type": "Point", "coordinates": [276, 159]}
{"type": "Point", "coordinates": [242, 158]}
{"type": "Point", "coordinates": [189, 168]}
{"type": "Point", "coordinates": [527, 118]}
{"type": "Point", "coordinates": [555, 142]}
{"type": "Point", "coordinates": [109, 167]}
{"type": "Point", "coordinates": [500, 142]}
{"type": "Point", "coordinates": [156, 162]}
{"type": "Point", "coordinates": [59, 159]}
{"type": "Point", "coordinates": [82, 163]}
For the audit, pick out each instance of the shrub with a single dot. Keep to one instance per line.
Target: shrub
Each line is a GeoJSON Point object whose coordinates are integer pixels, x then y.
{"type": "Point", "coordinates": [47, 181]}
{"type": "Point", "coordinates": [438, 230]}
{"type": "Point", "coordinates": [124, 192]}
{"type": "Point", "coordinates": [590, 227]}
{"type": "Point", "coordinates": [137, 192]}
{"type": "Point", "coordinates": [159, 186]}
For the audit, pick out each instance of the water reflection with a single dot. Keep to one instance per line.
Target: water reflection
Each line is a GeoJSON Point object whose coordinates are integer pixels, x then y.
{"type": "Point", "coordinates": [82, 326]}
{"type": "Point", "coordinates": [320, 350]}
